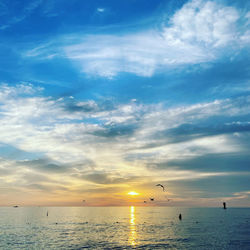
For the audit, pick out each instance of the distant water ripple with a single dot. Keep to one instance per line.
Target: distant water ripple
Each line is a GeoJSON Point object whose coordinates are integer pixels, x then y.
{"type": "Point", "coordinates": [124, 228]}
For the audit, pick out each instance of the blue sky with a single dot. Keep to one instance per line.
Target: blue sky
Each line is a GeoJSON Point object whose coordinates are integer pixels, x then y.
{"type": "Point", "coordinates": [98, 98]}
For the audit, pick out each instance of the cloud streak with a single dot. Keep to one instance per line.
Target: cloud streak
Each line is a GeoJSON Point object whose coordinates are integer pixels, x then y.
{"type": "Point", "coordinates": [89, 145]}
{"type": "Point", "coordinates": [156, 97]}
{"type": "Point", "coordinates": [200, 32]}
{"type": "Point", "coordinates": [24, 12]}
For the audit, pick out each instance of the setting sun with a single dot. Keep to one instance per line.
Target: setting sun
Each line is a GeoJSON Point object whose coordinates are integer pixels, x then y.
{"type": "Point", "coordinates": [133, 193]}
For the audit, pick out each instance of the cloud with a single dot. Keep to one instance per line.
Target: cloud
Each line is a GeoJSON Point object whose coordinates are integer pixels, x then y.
{"type": "Point", "coordinates": [24, 12]}
{"type": "Point", "coordinates": [217, 186]}
{"type": "Point", "coordinates": [81, 107]}
{"type": "Point", "coordinates": [106, 178]}
{"type": "Point", "coordinates": [242, 194]}
{"type": "Point", "coordinates": [186, 132]}
{"type": "Point", "coordinates": [219, 162]}
{"type": "Point", "coordinates": [4, 170]}
{"type": "Point", "coordinates": [91, 106]}
{"type": "Point", "coordinates": [204, 22]}
{"type": "Point", "coordinates": [199, 32]}
{"type": "Point", "coordinates": [11, 152]}
{"type": "Point", "coordinates": [44, 165]}
{"type": "Point", "coordinates": [20, 89]}
{"type": "Point", "coordinates": [38, 123]}
{"type": "Point", "coordinates": [82, 145]}
{"type": "Point", "coordinates": [100, 10]}
{"type": "Point", "coordinates": [51, 188]}
{"type": "Point", "coordinates": [111, 130]}
{"type": "Point", "coordinates": [71, 146]}
{"type": "Point", "coordinates": [141, 54]}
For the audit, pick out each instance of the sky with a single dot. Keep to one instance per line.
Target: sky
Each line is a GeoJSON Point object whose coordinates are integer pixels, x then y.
{"type": "Point", "coordinates": [101, 98]}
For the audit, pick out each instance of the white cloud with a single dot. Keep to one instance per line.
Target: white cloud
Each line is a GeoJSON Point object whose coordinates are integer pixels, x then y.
{"type": "Point", "coordinates": [100, 9]}
{"type": "Point", "coordinates": [195, 34]}
{"type": "Point", "coordinates": [124, 139]}
{"type": "Point", "coordinates": [41, 124]}
{"type": "Point", "coordinates": [203, 22]}
{"type": "Point", "coordinates": [141, 54]}
{"type": "Point", "coordinates": [201, 31]}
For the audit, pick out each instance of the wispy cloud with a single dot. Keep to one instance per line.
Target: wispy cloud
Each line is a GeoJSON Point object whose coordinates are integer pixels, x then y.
{"type": "Point", "coordinates": [183, 119]}
{"type": "Point", "coordinates": [101, 9]}
{"type": "Point", "coordinates": [24, 12]}
{"type": "Point", "coordinates": [83, 142]}
{"type": "Point", "coordinates": [201, 31]}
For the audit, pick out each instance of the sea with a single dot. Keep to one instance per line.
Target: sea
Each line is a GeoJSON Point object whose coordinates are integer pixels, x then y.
{"type": "Point", "coordinates": [124, 228]}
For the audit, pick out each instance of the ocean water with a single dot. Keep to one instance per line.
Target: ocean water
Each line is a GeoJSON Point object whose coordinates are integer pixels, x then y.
{"type": "Point", "coordinates": [124, 228]}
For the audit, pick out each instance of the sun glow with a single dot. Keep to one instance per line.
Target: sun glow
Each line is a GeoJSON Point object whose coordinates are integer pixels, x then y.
{"type": "Point", "coordinates": [133, 193]}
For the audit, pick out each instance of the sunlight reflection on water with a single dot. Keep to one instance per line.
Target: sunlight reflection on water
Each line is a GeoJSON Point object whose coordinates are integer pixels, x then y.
{"type": "Point", "coordinates": [124, 228]}
{"type": "Point", "coordinates": [132, 234]}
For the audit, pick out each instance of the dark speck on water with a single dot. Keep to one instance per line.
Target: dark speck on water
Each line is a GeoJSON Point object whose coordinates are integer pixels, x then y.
{"type": "Point", "coordinates": [124, 228]}
{"type": "Point", "coordinates": [180, 217]}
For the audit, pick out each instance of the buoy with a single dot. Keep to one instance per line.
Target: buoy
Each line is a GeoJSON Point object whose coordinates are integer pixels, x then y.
{"type": "Point", "coordinates": [224, 205]}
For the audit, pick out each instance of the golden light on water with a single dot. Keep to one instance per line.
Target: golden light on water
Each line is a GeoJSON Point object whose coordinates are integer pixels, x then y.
{"type": "Point", "coordinates": [133, 193]}
{"type": "Point", "coordinates": [132, 215]}
{"type": "Point", "coordinates": [132, 234]}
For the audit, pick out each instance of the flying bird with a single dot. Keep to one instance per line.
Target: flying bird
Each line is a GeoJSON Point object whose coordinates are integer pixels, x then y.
{"type": "Point", "coordinates": [159, 185]}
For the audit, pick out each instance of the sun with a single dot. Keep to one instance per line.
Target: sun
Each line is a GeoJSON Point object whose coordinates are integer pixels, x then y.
{"type": "Point", "coordinates": [133, 193]}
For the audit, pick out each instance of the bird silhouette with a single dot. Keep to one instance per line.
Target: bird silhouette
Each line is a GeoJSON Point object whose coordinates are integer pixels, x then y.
{"type": "Point", "coordinates": [160, 185]}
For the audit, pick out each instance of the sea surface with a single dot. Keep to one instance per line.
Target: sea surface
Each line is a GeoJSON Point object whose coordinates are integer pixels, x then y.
{"type": "Point", "coordinates": [124, 228]}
